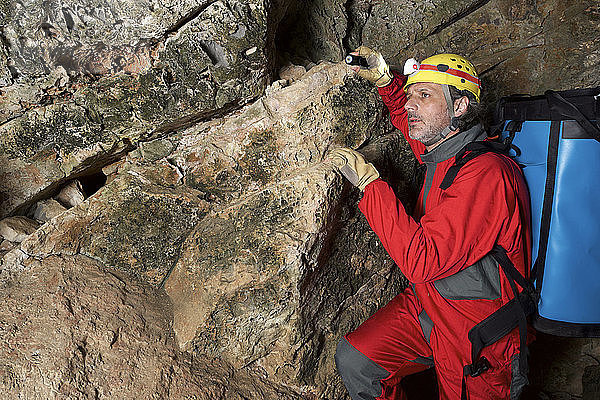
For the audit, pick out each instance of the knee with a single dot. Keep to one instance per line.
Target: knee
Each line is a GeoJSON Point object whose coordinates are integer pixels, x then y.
{"type": "Point", "coordinates": [344, 357]}
{"type": "Point", "coordinates": [360, 374]}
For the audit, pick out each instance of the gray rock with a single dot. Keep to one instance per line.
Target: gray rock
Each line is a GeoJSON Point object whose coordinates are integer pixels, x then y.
{"type": "Point", "coordinates": [45, 210]}
{"type": "Point", "coordinates": [5, 74]}
{"type": "Point", "coordinates": [156, 149]}
{"type": "Point", "coordinates": [17, 229]}
{"type": "Point", "coordinates": [126, 78]}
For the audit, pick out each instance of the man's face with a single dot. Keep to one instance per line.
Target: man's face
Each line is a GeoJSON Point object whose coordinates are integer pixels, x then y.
{"type": "Point", "coordinates": [427, 111]}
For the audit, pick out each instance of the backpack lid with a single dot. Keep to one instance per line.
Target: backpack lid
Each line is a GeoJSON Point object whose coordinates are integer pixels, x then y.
{"type": "Point", "coordinates": [536, 108]}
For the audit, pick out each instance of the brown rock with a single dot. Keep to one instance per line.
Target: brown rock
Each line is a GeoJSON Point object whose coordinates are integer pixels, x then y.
{"type": "Point", "coordinates": [292, 72]}
{"type": "Point", "coordinates": [71, 194]}
{"type": "Point", "coordinates": [70, 328]}
{"type": "Point", "coordinates": [251, 234]}
{"type": "Point", "coordinates": [17, 229]}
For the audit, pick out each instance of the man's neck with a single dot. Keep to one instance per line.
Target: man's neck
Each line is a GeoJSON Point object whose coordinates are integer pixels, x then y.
{"type": "Point", "coordinates": [436, 144]}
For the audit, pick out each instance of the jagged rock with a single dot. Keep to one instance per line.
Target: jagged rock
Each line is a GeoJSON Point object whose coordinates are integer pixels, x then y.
{"type": "Point", "coordinates": [292, 72]}
{"type": "Point", "coordinates": [16, 229]}
{"type": "Point", "coordinates": [181, 63]}
{"type": "Point", "coordinates": [136, 223]}
{"type": "Point", "coordinates": [251, 234]}
{"type": "Point", "coordinates": [5, 247]}
{"type": "Point", "coordinates": [71, 194]}
{"type": "Point", "coordinates": [5, 74]}
{"type": "Point", "coordinates": [45, 210]}
{"type": "Point", "coordinates": [158, 103]}
{"type": "Point", "coordinates": [156, 149]}
{"type": "Point", "coordinates": [71, 328]}
{"type": "Point", "coordinates": [258, 281]}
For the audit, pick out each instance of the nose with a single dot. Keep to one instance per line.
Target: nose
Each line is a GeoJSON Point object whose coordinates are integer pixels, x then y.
{"type": "Point", "coordinates": [410, 105]}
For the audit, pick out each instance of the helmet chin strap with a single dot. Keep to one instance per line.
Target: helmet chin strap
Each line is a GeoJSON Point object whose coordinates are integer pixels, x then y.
{"type": "Point", "coordinates": [453, 119]}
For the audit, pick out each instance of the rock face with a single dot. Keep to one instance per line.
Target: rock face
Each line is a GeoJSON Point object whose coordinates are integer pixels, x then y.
{"type": "Point", "coordinates": [246, 228]}
{"type": "Point", "coordinates": [170, 226]}
{"type": "Point", "coordinates": [89, 78]}
{"type": "Point", "coordinates": [16, 229]}
{"type": "Point", "coordinates": [91, 333]}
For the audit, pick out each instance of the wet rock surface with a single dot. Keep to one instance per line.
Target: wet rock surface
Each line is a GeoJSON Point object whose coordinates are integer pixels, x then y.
{"type": "Point", "coordinates": [180, 233]}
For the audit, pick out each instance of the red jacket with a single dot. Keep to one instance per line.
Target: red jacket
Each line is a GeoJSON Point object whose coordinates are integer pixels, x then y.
{"type": "Point", "coordinates": [487, 204]}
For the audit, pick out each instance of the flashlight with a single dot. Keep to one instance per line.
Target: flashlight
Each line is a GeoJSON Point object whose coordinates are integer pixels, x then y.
{"type": "Point", "coordinates": [357, 60]}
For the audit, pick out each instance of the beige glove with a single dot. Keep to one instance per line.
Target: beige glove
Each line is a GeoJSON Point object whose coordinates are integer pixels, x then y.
{"type": "Point", "coordinates": [354, 167]}
{"type": "Point", "coordinates": [378, 71]}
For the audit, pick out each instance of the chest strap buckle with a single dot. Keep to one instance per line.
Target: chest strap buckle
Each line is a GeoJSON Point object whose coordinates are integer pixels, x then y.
{"type": "Point", "coordinates": [477, 368]}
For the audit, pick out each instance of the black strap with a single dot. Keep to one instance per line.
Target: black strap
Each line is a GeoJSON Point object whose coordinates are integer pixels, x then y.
{"type": "Point", "coordinates": [469, 152]}
{"type": "Point", "coordinates": [502, 258]}
{"type": "Point", "coordinates": [540, 262]}
{"type": "Point", "coordinates": [505, 319]}
{"type": "Point", "coordinates": [499, 324]}
{"type": "Point", "coordinates": [510, 271]}
{"type": "Point", "coordinates": [562, 109]}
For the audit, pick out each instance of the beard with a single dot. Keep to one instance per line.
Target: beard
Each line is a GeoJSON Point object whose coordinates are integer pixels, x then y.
{"type": "Point", "coordinates": [428, 132]}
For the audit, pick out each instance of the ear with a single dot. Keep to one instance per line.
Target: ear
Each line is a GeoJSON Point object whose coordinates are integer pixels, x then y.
{"type": "Point", "coordinates": [460, 106]}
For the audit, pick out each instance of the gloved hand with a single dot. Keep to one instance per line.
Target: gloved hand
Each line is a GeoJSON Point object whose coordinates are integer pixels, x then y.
{"type": "Point", "coordinates": [354, 167]}
{"type": "Point", "coordinates": [378, 71]}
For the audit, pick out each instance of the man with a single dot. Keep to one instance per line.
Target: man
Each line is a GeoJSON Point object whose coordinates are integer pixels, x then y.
{"type": "Point", "coordinates": [444, 250]}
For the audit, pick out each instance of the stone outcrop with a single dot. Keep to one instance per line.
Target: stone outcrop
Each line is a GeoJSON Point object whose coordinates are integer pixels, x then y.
{"type": "Point", "coordinates": [170, 226]}
{"type": "Point", "coordinates": [17, 229]}
{"type": "Point", "coordinates": [91, 333]}
{"type": "Point", "coordinates": [244, 225]}
{"type": "Point", "coordinates": [88, 79]}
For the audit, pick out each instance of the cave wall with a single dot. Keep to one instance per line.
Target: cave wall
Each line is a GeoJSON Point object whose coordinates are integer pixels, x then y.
{"type": "Point", "coordinates": [523, 46]}
{"type": "Point", "coordinates": [205, 244]}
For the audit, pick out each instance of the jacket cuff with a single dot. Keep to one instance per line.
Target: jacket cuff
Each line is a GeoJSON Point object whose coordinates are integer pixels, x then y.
{"type": "Point", "coordinates": [369, 188]}
{"type": "Point", "coordinates": [397, 83]}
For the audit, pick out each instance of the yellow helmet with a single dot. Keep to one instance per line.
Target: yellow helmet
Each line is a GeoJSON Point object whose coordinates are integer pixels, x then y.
{"type": "Point", "coordinates": [445, 69]}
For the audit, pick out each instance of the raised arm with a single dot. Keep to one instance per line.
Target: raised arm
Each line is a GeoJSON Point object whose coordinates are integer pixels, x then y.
{"type": "Point", "coordinates": [394, 98]}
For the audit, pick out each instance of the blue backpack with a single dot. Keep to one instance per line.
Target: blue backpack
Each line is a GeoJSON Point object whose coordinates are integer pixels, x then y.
{"type": "Point", "coordinates": [555, 139]}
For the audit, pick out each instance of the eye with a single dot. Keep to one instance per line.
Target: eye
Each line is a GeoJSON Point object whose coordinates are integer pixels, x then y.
{"type": "Point", "coordinates": [424, 94]}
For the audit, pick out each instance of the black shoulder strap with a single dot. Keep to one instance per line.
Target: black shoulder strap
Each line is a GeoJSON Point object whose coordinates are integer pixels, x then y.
{"type": "Point", "coordinates": [469, 152]}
